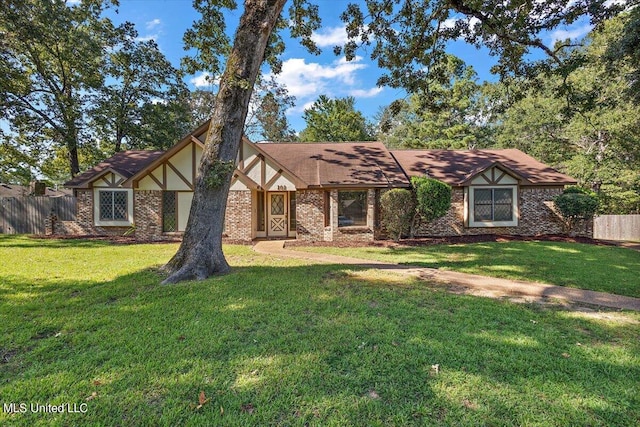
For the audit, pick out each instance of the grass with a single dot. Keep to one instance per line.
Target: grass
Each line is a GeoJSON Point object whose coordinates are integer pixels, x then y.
{"type": "Point", "coordinates": [279, 342]}
{"type": "Point", "coordinates": [583, 266]}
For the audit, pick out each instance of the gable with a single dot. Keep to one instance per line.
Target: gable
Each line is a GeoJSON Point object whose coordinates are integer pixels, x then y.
{"type": "Point", "coordinates": [257, 171]}
{"type": "Point", "coordinates": [110, 179]}
{"type": "Point", "coordinates": [124, 164]}
{"type": "Point", "coordinates": [493, 176]}
{"type": "Point", "coordinates": [174, 172]}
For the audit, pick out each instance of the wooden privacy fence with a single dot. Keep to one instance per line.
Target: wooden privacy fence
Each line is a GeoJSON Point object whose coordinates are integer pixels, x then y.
{"type": "Point", "coordinates": [29, 214]}
{"type": "Point", "coordinates": [617, 227]}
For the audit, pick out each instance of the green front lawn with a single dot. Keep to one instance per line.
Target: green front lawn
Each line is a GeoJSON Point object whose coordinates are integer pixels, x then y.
{"type": "Point", "coordinates": [584, 266]}
{"type": "Point", "coordinates": [279, 342]}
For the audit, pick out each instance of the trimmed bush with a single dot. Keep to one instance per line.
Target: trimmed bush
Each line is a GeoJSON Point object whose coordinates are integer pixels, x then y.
{"type": "Point", "coordinates": [433, 197]}
{"type": "Point", "coordinates": [398, 208]}
{"type": "Point", "coordinates": [576, 204]}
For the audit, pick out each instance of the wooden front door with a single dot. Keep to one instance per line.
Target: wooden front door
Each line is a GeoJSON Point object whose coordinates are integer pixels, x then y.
{"type": "Point", "coordinates": [277, 210]}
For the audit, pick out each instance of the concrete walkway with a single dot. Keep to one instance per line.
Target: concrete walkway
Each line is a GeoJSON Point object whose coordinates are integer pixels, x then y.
{"type": "Point", "coordinates": [463, 282]}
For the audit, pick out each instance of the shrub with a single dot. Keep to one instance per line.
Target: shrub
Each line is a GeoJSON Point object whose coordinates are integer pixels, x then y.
{"type": "Point", "coordinates": [575, 204]}
{"type": "Point", "coordinates": [398, 209]}
{"type": "Point", "coordinates": [433, 197]}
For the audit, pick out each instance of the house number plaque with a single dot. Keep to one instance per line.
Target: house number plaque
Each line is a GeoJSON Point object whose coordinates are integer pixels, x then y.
{"type": "Point", "coordinates": [282, 187]}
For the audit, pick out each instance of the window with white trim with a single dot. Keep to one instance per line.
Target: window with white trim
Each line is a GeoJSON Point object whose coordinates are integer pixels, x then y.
{"type": "Point", "coordinates": [493, 206]}
{"type": "Point", "coordinates": [113, 205]}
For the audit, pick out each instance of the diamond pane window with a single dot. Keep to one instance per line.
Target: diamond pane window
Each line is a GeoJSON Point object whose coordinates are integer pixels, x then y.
{"type": "Point", "coordinates": [492, 204]}
{"type": "Point", "coordinates": [113, 205]}
{"type": "Point", "coordinates": [483, 206]}
{"type": "Point", "coordinates": [169, 211]}
{"type": "Point", "coordinates": [503, 201]}
{"type": "Point", "coordinates": [277, 204]}
{"type": "Point", "coordinates": [120, 205]}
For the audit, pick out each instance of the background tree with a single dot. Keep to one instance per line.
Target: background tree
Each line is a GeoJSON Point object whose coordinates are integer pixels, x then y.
{"type": "Point", "coordinates": [591, 131]}
{"type": "Point", "coordinates": [16, 166]}
{"type": "Point", "coordinates": [445, 115]}
{"type": "Point", "coordinates": [201, 103]}
{"type": "Point", "coordinates": [335, 120]}
{"type": "Point", "coordinates": [143, 102]}
{"type": "Point", "coordinates": [267, 119]}
{"type": "Point", "coordinates": [624, 49]}
{"type": "Point", "coordinates": [50, 58]}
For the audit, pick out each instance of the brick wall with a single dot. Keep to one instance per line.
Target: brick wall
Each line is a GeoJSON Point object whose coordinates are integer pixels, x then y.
{"type": "Point", "coordinates": [237, 225]}
{"type": "Point", "coordinates": [310, 215]}
{"type": "Point", "coordinates": [147, 214]}
{"type": "Point", "coordinates": [84, 225]}
{"type": "Point", "coordinates": [536, 216]}
{"type": "Point", "coordinates": [311, 220]}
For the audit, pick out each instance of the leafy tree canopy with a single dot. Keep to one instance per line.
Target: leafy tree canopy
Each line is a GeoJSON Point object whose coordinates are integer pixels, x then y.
{"type": "Point", "coordinates": [335, 120]}
{"type": "Point", "coordinates": [409, 38]}
{"type": "Point", "coordinates": [446, 115]}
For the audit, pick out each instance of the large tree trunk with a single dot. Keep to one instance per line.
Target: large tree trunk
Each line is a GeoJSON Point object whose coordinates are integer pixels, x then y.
{"type": "Point", "coordinates": [200, 254]}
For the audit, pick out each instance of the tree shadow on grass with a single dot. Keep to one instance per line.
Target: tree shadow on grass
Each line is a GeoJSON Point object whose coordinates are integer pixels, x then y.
{"type": "Point", "coordinates": [598, 268]}
{"type": "Point", "coordinates": [321, 344]}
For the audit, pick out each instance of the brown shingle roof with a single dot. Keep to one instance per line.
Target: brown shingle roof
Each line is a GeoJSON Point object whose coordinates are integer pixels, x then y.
{"type": "Point", "coordinates": [363, 164]}
{"type": "Point", "coordinates": [456, 167]}
{"type": "Point", "coordinates": [125, 163]}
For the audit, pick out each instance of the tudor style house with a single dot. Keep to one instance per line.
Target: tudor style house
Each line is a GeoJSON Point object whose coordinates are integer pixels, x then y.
{"type": "Point", "coordinates": [315, 191]}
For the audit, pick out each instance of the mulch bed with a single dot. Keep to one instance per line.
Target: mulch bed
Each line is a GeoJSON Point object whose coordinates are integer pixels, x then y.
{"type": "Point", "coordinates": [423, 241]}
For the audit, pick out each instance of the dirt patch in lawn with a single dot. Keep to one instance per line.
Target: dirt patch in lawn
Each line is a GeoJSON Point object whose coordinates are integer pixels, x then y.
{"type": "Point", "coordinates": [452, 240]}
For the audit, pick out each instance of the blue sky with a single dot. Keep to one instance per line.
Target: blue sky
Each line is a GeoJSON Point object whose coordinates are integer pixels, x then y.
{"type": "Point", "coordinates": [306, 76]}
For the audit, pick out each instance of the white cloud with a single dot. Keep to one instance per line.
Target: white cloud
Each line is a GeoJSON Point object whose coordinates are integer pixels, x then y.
{"type": "Point", "coordinates": [153, 37]}
{"type": "Point", "coordinates": [329, 37]}
{"type": "Point", "coordinates": [150, 25]}
{"type": "Point", "coordinates": [204, 80]}
{"type": "Point", "coordinates": [304, 79]}
{"type": "Point", "coordinates": [366, 93]}
{"type": "Point", "coordinates": [573, 33]}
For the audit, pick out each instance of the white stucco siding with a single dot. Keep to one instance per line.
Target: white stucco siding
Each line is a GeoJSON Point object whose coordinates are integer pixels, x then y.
{"type": "Point", "coordinates": [494, 176]}
{"type": "Point", "coordinates": [110, 177]}
{"type": "Point", "coordinates": [238, 186]}
{"type": "Point", "coordinates": [147, 183]}
{"type": "Point", "coordinates": [282, 184]}
{"type": "Point", "coordinates": [183, 162]}
{"type": "Point", "coordinates": [184, 207]}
